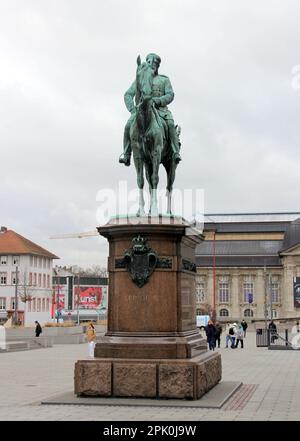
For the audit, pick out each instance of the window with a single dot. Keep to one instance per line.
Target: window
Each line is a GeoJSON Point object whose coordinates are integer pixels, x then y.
{"type": "Point", "coordinates": [30, 279]}
{"type": "Point", "coordinates": [48, 281]}
{"type": "Point", "coordinates": [3, 278]}
{"type": "Point", "coordinates": [34, 279]}
{"type": "Point", "coordinates": [2, 303]}
{"type": "Point", "coordinates": [40, 262]}
{"type": "Point", "coordinates": [223, 289]}
{"type": "Point", "coordinates": [248, 289]}
{"type": "Point", "coordinates": [3, 260]}
{"type": "Point", "coordinates": [16, 260]}
{"type": "Point", "coordinates": [13, 278]}
{"type": "Point", "coordinates": [48, 263]}
{"type": "Point", "coordinates": [35, 261]}
{"type": "Point", "coordinates": [47, 304]}
{"type": "Point", "coordinates": [200, 295]}
{"type": "Point", "coordinates": [248, 313]}
{"type": "Point", "coordinates": [274, 313]}
{"type": "Point", "coordinates": [12, 303]}
{"type": "Point", "coordinates": [275, 289]}
{"type": "Point", "coordinates": [33, 305]}
{"type": "Point", "coordinates": [38, 305]}
{"type": "Point", "coordinates": [44, 280]}
{"type": "Point", "coordinates": [44, 262]}
{"type": "Point", "coordinates": [40, 280]}
{"type": "Point", "coordinates": [31, 260]}
{"type": "Point", "coordinates": [43, 304]}
{"type": "Point", "coordinates": [223, 312]}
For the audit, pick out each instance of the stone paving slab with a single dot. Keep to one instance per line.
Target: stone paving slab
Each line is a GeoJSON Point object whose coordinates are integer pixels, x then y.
{"type": "Point", "coordinates": [29, 377]}
{"type": "Point", "coordinates": [215, 399]}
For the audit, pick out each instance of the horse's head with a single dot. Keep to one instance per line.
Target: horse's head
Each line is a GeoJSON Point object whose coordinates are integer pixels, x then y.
{"type": "Point", "coordinates": [144, 80]}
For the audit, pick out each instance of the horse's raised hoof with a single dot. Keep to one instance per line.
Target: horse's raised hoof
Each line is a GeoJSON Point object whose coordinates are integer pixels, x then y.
{"type": "Point", "coordinates": [140, 213]}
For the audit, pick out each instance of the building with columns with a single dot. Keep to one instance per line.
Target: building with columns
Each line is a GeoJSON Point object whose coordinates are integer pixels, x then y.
{"type": "Point", "coordinates": [248, 266]}
{"type": "Point", "coordinates": [31, 266]}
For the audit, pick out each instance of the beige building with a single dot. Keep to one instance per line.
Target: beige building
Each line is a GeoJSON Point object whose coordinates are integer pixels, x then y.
{"type": "Point", "coordinates": [248, 266]}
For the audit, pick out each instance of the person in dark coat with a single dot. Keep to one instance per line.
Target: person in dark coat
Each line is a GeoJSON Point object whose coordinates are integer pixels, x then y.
{"type": "Point", "coordinates": [218, 333]}
{"type": "Point", "coordinates": [273, 331]}
{"type": "Point", "coordinates": [245, 326]}
{"type": "Point", "coordinates": [38, 329]}
{"type": "Point", "coordinates": [211, 335]}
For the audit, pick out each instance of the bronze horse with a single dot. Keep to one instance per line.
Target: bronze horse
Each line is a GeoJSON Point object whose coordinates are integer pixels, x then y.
{"type": "Point", "coordinates": [149, 142]}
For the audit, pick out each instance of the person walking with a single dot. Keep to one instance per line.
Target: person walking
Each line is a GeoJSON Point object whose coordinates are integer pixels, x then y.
{"type": "Point", "coordinates": [239, 333]}
{"type": "Point", "coordinates": [211, 335]}
{"type": "Point", "coordinates": [91, 338]}
{"type": "Point", "coordinates": [245, 326]}
{"type": "Point", "coordinates": [228, 337]}
{"type": "Point", "coordinates": [218, 333]}
{"type": "Point", "coordinates": [38, 329]}
{"type": "Point", "coordinates": [273, 331]}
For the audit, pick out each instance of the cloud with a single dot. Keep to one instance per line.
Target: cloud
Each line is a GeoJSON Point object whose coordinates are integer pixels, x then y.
{"type": "Point", "coordinates": [65, 66]}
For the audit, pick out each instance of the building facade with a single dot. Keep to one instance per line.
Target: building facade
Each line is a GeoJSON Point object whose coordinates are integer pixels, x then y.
{"type": "Point", "coordinates": [248, 266]}
{"type": "Point", "coordinates": [25, 279]}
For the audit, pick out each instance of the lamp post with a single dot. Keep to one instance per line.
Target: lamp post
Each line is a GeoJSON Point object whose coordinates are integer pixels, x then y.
{"type": "Point", "coordinates": [214, 277]}
{"type": "Point", "coordinates": [78, 298]}
{"type": "Point", "coordinates": [16, 298]}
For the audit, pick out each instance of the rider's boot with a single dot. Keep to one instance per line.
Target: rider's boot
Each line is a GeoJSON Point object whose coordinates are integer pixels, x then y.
{"type": "Point", "coordinates": [125, 156]}
{"type": "Point", "coordinates": [174, 143]}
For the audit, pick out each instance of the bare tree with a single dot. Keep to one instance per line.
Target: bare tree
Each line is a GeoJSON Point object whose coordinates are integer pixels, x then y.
{"type": "Point", "coordinates": [25, 289]}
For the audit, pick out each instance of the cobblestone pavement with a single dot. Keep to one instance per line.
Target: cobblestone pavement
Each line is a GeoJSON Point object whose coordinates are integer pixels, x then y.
{"type": "Point", "coordinates": [271, 388]}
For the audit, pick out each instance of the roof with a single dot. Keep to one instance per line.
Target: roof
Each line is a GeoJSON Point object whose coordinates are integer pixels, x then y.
{"type": "Point", "coordinates": [292, 235]}
{"type": "Point", "coordinates": [239, 248]}
{"type": "Point", "coordinates": [13, 243]}
{"type": "Point", "coordinates": [251, 217]}
{"type": "Point", "coordinates": [239, 253]}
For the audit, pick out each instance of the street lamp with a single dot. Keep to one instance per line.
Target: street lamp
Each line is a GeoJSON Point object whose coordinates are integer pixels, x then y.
{"type": "Point", "coordinates": [16, 298]}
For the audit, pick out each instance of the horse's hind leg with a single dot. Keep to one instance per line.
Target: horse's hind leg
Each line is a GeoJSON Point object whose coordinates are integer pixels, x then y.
{"type": "Point", "coordinates": [140, 182]}
{"type": "Point", "coordinates": [170, 167]}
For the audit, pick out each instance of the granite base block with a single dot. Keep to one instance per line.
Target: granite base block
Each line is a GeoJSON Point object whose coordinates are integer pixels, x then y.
{"type": "Point", "coordinates": [181, 378]}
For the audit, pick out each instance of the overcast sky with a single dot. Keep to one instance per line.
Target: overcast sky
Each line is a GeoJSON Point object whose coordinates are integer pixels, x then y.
{"type": "Point", "coordinates": [64, 68]}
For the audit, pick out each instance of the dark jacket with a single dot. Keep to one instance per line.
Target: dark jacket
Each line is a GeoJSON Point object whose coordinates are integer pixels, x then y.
{"type": "Point", "coordinates": [273, 327]}
{"type": "Point", "coordinates": [218, 330]}
{"type": "Point", "coordinates": [210, 332]}
{"type": "Point", "coordinates": [244, 325]}
{"type": "Point", "coordinates": [38, 330]}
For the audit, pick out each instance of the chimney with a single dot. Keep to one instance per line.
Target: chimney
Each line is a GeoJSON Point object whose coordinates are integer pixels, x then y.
{"type": "Point", "coordinates": [3, 230]}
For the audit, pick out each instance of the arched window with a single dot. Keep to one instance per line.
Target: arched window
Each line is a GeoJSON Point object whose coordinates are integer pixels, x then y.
{"type": "Point", "coordinates": [223, 313]}
{"type": "Point", "coordinates": [248, 313]}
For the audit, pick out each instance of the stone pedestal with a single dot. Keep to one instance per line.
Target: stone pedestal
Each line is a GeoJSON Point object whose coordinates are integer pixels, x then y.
{"type": "Point", "coordinates": [152, 347]}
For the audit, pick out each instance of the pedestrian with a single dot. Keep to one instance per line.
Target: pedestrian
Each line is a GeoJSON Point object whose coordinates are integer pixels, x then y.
{"type": "Point", "coordinates": [245, 326]}
{"type": "Point", "coordinates": [218, 333]}
{"type": "Point", "coordinates": [239, 333]}
{"type": "Point", "coordinates": [91, 338]}
{"type": "Point", "coordinates": [273, 331]}
{"type": "Point", "coordinates": [38, 329]}
{"type": "Point", "coordinates": [211, 335]}
{"type": "Point", "coordinates": [228, 337]}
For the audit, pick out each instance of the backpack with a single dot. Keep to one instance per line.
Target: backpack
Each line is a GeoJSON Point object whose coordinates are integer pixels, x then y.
{"type": "Point", "coordinates": [231, 331]}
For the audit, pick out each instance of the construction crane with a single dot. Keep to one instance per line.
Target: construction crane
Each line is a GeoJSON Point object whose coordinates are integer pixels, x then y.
{"type": "Point", "coordinates": [75, 235]}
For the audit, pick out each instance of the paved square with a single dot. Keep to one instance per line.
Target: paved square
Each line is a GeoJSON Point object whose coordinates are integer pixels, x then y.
{"type": "Point", "coordinates": [270, 391]}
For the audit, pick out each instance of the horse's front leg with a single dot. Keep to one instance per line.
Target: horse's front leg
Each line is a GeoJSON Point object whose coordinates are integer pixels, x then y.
{"type": "Point", "coordinates": [139, 166]}
{"type": "Point", "coordinates": [154, 182]}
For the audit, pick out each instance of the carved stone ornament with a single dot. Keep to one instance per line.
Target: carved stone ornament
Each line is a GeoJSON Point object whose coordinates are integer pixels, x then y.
{"type": "Point", "coordinates": [140, 261]}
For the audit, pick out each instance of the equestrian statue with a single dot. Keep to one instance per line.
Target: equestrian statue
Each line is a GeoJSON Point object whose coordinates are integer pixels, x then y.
{"type": "Point", "coordinates": [150, 133]}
